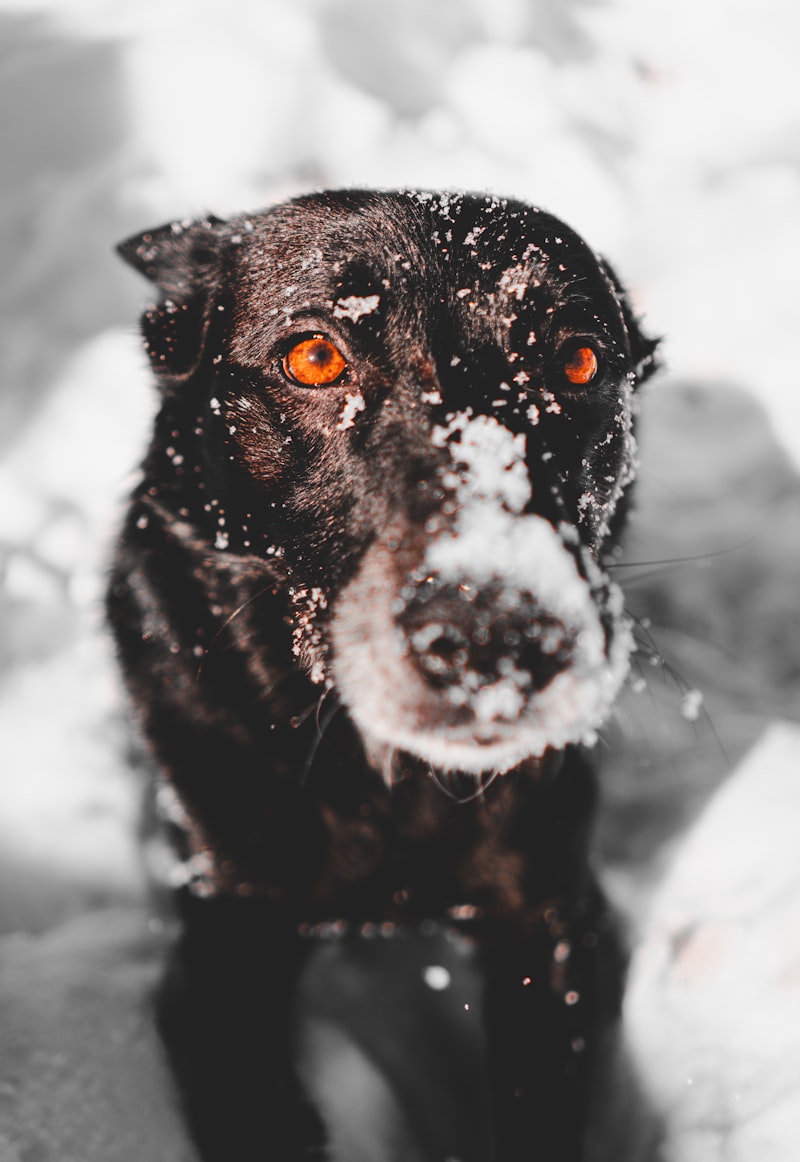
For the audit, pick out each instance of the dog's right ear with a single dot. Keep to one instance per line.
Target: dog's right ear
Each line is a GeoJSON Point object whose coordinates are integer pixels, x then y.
{"type": "Point", "coordinates": [644, 350]}
{"type": "Point", "coordinates": [183, 259]}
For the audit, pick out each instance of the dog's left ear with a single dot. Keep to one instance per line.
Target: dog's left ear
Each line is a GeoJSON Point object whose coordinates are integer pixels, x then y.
{"type": "Point", "coordinates": [643, 349]}
{"type": "Point", "coordinates": [178, 257]}
{"type": "Point", "coordinates": [183, 259]}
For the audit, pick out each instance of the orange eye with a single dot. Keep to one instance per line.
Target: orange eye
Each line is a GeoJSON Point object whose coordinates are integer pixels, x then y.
{"type": "Point", "coordinates": [314, 362]}
{"type": "Point", "coordinates": [581, 367]}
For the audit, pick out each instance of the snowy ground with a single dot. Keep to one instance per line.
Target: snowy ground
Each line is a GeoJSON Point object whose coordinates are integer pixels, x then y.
{"type": "Point", "coordinates": [667, 133]}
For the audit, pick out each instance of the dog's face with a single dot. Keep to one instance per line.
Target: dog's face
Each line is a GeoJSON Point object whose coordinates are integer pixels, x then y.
{"type": "Point", "coordinates": [416, 411]}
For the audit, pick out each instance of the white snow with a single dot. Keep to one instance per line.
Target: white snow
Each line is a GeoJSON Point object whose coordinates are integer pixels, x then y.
{"type": "Point", "coordinates": [713, 1008]}
{"type": "Point", "coordinates": [431, 396]}
{"type": "Point", "coordinates": [494, 459]}
{"type": "Point", "coordinates": [502, 701]}
{"type": "Point", "coordinates": [353, 404]}
{"type": "Point", "coordinates": [354, 306]}
{"type": "Point", "coordinates": [68, 806]}
{"type": "Point", "coordinates": [436, 977]}
{"type": "Point", "coordinates": [691, 705]}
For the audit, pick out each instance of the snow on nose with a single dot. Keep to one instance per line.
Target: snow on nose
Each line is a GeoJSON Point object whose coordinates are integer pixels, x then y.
{"type": "Point", "coordinates": [502, 583]}
{"type": "Point", "coordinates": [491, 647]}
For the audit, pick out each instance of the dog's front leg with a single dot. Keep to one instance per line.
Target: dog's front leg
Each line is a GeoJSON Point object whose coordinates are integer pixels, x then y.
{"type": "Point", "coordinates": [549, 999]}
{"type": "Point", "coordinates": [225, 1013]}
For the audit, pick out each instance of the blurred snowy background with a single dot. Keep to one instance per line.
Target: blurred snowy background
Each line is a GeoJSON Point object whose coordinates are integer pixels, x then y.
{"type": "Point", "coordinates": [666, 131]}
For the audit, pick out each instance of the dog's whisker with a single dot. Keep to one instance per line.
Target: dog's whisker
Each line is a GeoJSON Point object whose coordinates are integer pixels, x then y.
{"type": "Point", "coordinates": [481, 784]}
{"type": "Point", "coordinates": [660, 568]}
{"type": "Point", "coordinates": [328, 692]}
{"type": "Point", "coordinates": [300, 718]}
{"type": "Point", "coordinates": [387, 767]}
{"type": "Point", "coordinates": [264, 692]}
{"type": "Point", "coordinates": [602, 740]}
{"type": "Point", "coordinates": [640, 683]}
{"type": "Point", "coordinates": [693, 705]}
{"type": "Point", "coordinates": [647, 645]}
{"type": "Point", "coordinates": [717, 647]}
{"type": "Point", "coordinates": [643, 638]}
{"type": "Point", "coordinates": [670, 672]}
{"type": "Point", "coordinates": [690, 558]}
{"type": "Point", "coordinates": [322, 725]}
{"type": "Point", "coordinates": [654, 654]}
{"type": "Point", "coordinates": [229, 621]}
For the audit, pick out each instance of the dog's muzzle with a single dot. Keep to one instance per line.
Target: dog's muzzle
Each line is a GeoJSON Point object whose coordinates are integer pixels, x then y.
{"type": "Point", "coordinates": [498, 646]}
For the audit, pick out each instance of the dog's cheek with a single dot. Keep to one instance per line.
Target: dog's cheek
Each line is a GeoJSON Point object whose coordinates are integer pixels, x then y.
{"type": "Point", "coordinates": [607, 468]}
{"type": "Point", "coordinates": [344, 498]}
{"type": "Point", "coordinates": [257, 438]}
{"type": "Point", "coordinates": [267, 457]}
{"type": "Point", "coordinates": [285, 479]}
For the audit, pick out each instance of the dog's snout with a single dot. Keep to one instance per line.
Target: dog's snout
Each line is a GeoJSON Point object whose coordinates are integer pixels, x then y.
{"type": "Point", "coordinates": [464, 639]}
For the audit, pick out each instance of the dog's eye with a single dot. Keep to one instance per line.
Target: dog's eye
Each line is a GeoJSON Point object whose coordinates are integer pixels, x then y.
{"type": "Point", "coordinates": [314, 362]}
{"type": "Point", "coordinates": [581, 365]}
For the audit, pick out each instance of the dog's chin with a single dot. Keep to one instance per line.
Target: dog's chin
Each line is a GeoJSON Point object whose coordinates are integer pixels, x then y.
{"type": "Point", "coordinates": [568, 711]}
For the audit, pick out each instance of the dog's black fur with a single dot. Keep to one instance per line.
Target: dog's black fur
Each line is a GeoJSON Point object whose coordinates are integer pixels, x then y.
{"type": "Point", "coordinates": [297, 562]}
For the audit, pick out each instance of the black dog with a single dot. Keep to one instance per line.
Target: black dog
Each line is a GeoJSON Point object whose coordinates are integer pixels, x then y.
{"type": "Point", "coordinates": [362, 612]}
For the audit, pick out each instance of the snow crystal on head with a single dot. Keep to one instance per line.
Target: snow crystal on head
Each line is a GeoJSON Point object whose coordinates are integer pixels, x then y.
{"type": "Point", "coordinates": [352, 405]}
{"type": "Point", "coordinates": [493, 456]}
{"type": "Point", "coordinates": [354, 306]}
{"type": "Point", "coordinates": [492, 538]}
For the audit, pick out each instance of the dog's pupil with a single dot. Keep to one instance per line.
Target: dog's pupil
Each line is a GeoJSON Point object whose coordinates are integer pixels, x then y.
{"type": "Point", "coordinates": [320, 353]}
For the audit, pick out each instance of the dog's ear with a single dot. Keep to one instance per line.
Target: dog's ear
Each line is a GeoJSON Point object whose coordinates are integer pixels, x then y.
{"type": "Point", "coordinates": [183, 259]}
{"type": "Point", "coordinates": [643, 349]}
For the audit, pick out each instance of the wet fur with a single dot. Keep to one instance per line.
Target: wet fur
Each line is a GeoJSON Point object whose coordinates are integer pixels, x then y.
{"type": "Point", "coordinates": [259, 507]}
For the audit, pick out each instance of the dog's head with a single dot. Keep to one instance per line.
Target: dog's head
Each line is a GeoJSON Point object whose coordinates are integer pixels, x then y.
{"type": "Point", "coordinates": [415, 409]}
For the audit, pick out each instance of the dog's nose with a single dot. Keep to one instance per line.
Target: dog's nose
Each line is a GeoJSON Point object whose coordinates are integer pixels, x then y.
{"type": "Point", "coordinates": [463, 639]}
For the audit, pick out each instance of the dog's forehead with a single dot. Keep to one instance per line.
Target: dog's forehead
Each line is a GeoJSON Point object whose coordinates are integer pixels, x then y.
{"type": "Point", "coordinates": [478, 256]}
